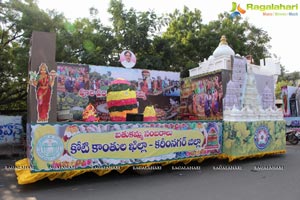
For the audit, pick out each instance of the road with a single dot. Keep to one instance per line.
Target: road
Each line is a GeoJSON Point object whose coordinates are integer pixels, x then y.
{"type": "Point", "coordinates": [213, 181]}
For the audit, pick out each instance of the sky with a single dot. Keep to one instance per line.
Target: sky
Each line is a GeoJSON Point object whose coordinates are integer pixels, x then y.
{"type": "Point", "coordinates": [285, 36]}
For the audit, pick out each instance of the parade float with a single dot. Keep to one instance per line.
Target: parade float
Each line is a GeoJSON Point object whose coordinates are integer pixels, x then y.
{"type": "Point", "coordinates": [291, 110]}
{"type": "Point", "coordinates": [86, 118]}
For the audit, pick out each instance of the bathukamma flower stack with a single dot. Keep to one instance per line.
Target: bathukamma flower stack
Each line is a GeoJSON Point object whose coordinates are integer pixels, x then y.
{"type": "Point", "coordinates": [150, 114]}
{"type": "Point", "coordinates": [121, 99]}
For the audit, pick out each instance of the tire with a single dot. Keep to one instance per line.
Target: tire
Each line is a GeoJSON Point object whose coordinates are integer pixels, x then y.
{"type": "Point", "coordinates": [293, 139]}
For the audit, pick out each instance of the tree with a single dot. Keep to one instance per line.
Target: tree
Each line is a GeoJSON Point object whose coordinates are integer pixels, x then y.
{"type": "Point", "coordinates": [135, 31]}
{"type": "Point", "coordinates": [294, 78]}
{"type": "Point", "coordinates": [191, 41]}
{"type": "Point", "coordinates": [257, 43]}
{"type": "Point", "coordinates": [183, 34]}
{"type": "Point", "coordinates": [185, 42]}
{"type": "Point", "coordinates": [243, 37]}
{"type": "Point", "coordinates": [281, 77]}
{"type": "Point", "coordinates": [18, 20]}
{"type": "Point", "coordinates": [85, 41]}
{"type": "Point", "coordinates": [279, 85]}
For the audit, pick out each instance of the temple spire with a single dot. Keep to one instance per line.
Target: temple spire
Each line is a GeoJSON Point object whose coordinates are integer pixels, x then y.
{"type": "Point", "coordinates": [223, 40]}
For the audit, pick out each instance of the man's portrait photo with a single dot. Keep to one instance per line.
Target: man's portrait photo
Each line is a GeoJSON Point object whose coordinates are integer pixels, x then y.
{"type": "Point", "coordinates": [127, 59]}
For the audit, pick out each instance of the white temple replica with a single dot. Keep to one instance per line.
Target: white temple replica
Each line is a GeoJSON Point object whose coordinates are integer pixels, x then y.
{"type": "Point", "coordinates": [245, 99]}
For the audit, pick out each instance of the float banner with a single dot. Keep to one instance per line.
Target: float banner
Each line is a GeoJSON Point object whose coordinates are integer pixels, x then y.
{"type": "Point", "coordinates": [292, 123]}
{"type": "Point", "coordinates": [251, 138]}
{"type": "Point", "coordinates": [79, 85]}
{"type": "Point", "coordinates": [10, 129]}
{"type": "Point", "coordinates": [59, 147]}
{"type": "Point", "coordinates": [291, 101]}
{"type": "Point", "coordinates": [202, 96]}
{"type": "Point", "coordinates": [71, 78]}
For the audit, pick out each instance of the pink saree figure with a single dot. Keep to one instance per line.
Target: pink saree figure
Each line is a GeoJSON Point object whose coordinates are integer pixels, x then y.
{"type": "Point", "coordinates": [43, 82]}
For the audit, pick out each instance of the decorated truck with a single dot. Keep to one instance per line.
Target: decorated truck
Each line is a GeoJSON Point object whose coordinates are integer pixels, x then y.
{"type": "Point", "coordinates": [86, 118]}
{"type": "Point", "coordinates": [291, 112]}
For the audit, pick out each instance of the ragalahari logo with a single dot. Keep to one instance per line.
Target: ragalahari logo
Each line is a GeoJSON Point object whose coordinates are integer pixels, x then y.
{"type": "Point", "coordinates": [236, 10]}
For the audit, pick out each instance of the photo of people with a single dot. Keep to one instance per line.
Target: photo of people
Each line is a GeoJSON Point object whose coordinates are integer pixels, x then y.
{"type": "Point", "coordinates": [146, 82]}
{"type": "Point", "coordinates": [156, 85]}
{"type": "Point", "coordinates": [166, 107]}
{"type": "Point", "coordinates": [78, 85]}
{"type": "Point", "coordinates": [127, 59]}
{"type": "Point", "coordinates": [286, 94]}
{"type": "Point", "coordinates": [202, 97]}
{"type": "Point", "coordinates": [157, 88]}
{"type": "Point", "coordinates": [72, 78]}
{"type": "Point", "coordinates": [100, 80]}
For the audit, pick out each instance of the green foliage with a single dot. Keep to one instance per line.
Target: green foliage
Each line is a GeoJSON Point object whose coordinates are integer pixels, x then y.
{"type": "Point", "coordinates": [135, 31]}
{"type": "Point", "coordinates": [244, 38]}
{"type": "Point", "coordinates": [175, 42]}
{"type": "Point", "coordinates": [184, 36]}
{"type": "Point", "coordinates": [281, 77]}
{"type": "Point", "coordinates": [293, 78]}
{"type": "Point", "coordinates": [279, 85]}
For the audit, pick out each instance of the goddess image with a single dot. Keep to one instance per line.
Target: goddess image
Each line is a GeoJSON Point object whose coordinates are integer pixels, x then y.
{"type": "Point", "coordinates": [298, 100]}
{"type": "Point", "coordinates": [43, 82]}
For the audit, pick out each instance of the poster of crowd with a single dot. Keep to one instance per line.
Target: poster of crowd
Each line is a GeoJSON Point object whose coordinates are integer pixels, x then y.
{"type": "Point", "coordinates": [202, 97]}
{"type": "Point", "coordinates": [160, 89]}
{"type": "Point", "coordinates": [79, 85]}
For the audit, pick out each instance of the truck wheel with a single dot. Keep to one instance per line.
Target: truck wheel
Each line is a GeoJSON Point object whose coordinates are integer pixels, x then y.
{"type": "Point", "coordinates": [293, 139]}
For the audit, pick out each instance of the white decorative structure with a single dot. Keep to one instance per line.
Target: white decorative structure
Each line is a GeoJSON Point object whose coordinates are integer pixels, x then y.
{"type": "Point", "coordinates": [223, 48]}
{"type": "Point", "coordinates": [221, 59]}
{"type": "Point", "coordinates": [268, 67]}
{"type": "Point", "coordinates": [267, 98]}
{"type": "Point", "coordinates": [251, 97]}
{"type": "Point", "coordinates": [243, 101]}
{"type": "Point", "coordinates": [232, 96]}
{"type": "Point", "coordinates": [239, 71]}
{"type": "Point", "coordinates": [252, 106]}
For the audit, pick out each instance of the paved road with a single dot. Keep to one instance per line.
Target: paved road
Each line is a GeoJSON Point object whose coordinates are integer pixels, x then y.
{"type": "Point", "coordinates": [246, 183]}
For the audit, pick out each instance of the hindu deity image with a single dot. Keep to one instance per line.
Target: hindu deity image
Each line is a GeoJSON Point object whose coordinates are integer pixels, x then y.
{"type": "Point", "coordinates": [43, 81]}
{"type": "Point", "coordinates": [297, 97]}
{"type": "Point", "coordinates": [285, 102]}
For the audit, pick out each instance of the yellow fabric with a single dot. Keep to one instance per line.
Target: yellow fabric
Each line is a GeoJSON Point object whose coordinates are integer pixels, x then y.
{"type": "Point", "coordinates": [24, 175]}
{"type": "Point", "coordinates": [101, 172]}
{"type": "Point", "coordinates": [120, 95]}
{"type": "Point", "coordinates": [123, 113]}
{"type": "Point", "coordinates": [149, 111]}
{"type": "Point", "coordinates": [258, 155]}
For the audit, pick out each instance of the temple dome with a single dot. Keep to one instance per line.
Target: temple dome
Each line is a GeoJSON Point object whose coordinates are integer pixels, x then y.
{"type": "Point", "coordinates": [223, 48]}
{"type": "Point", "coordinates": [211, 58]}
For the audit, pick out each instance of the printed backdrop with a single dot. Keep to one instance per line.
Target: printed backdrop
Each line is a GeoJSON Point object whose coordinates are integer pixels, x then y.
{"type": "Point", "coordinates": [202, 96]}
{"type": "Point", "coordinates": [82, 146]}
{"type": "Point", "coordinates": [288, 93]}
{"type": "Point", "coordinates": [79, 85]}
{"type": "Point", "coordinates": [250, 138]}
